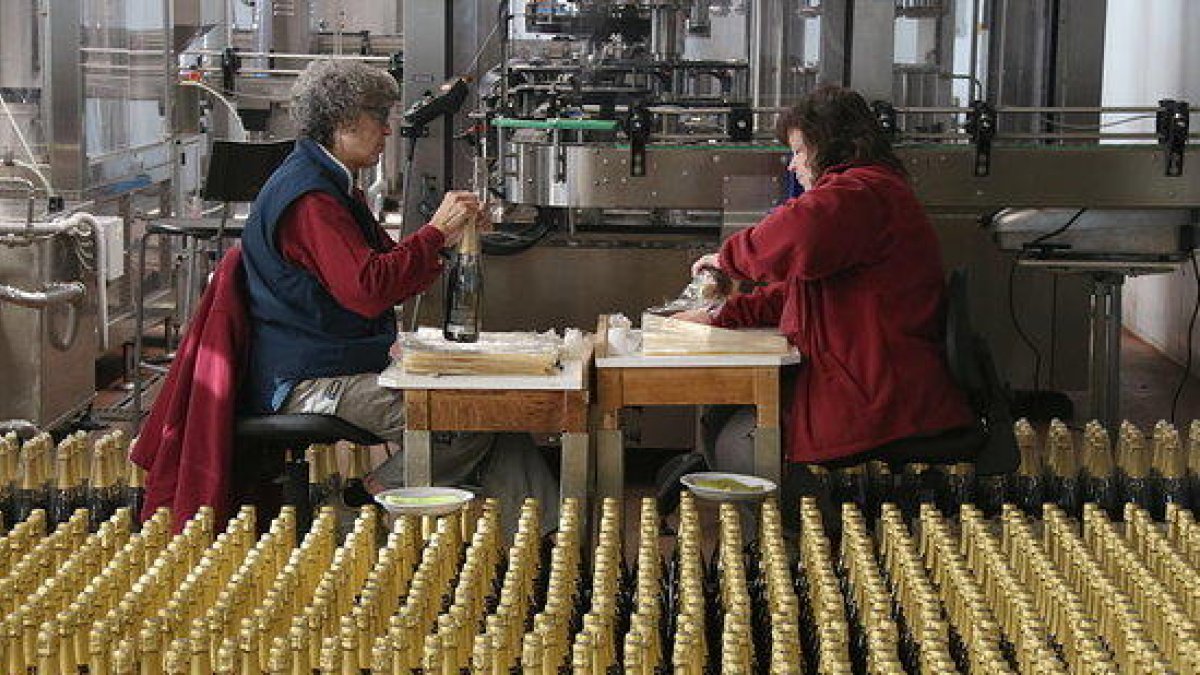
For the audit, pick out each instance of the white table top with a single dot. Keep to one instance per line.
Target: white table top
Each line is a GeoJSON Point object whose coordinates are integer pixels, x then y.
{"type": "Point", "coordinates": [571, 376]}
{"type": "Point", "coordinates": [639, 360]}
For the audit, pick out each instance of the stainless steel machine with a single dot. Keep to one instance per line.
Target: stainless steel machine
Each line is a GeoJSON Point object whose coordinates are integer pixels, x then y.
{"type": "Point", "coordinates": [84, 141]}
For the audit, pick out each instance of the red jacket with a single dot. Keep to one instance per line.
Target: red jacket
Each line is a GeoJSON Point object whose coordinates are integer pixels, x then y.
{"type": "Point", "coordinates": [856, 283]}
{"type": "Point", "coordinates": [186, 444]}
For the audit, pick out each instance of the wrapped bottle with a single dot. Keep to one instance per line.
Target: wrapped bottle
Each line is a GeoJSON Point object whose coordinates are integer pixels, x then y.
{"type": "Point", "coordinates": [1027, 488]}
{"type": "Point", "coordinates": [1100, 483]}
{"type": "Point", "coordinates": [1063, 465]}
{"type": "Point", "coordinates": [464, 290]}
{"type": "Point", "coordinates": [62, 496]}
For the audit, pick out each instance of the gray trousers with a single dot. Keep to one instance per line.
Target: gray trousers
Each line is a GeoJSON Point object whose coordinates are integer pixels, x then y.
{"type": "Point", "coordinates": [729, 447]}
{"type": "Point", "coordinates": [505, 466]}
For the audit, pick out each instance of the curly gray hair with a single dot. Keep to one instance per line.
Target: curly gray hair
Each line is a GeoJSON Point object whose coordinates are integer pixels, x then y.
{"type": "Point", "coordinates": [332, 93]}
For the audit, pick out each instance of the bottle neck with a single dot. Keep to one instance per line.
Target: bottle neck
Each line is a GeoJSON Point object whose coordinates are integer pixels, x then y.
{"type": "Point", "coordinates": [469, 245]}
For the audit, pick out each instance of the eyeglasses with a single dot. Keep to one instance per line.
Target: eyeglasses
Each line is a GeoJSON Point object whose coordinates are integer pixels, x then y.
{"type": "Point", "coordinates": [380, 113]}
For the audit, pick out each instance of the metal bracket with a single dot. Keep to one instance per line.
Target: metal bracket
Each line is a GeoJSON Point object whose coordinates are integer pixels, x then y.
{"type": "Point", "coordinates": [981, 124]}
{"type": "Point", "coordinates": [637, 127]}
{"type": "Point", "coordinates": [395, 67]}
{"type": "Point", "coordinates": [231, 63]}
{"type": "Point", "coordinates": [560, 156]}
{"type": "Point", "coordinates": [1171, 126]}
{"type": "Point", "coordinates": [885, 116]}
{"type": "Point", "coordinates": [740, 124]}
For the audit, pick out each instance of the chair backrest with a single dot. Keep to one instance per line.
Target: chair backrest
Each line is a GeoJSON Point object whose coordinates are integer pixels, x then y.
{"type": "Point", "coordinates": [237, 170]}
{"type": "Point", "coordinates": [962, 354]}
{"type": "Point", "coordinates": [974, 371]}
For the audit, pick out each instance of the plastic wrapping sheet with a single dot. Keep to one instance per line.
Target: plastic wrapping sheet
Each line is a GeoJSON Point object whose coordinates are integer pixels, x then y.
{"type": "Point", "coordinates": [428, 352]}
{"type": "Point", "coordinates": [707, 290]}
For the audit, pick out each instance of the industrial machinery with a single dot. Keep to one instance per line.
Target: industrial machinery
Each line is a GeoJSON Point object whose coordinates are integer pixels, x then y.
{"type": "Point", "coordinates": [619, 139]}
{"type": "Point", "coordinates": [622, 119]}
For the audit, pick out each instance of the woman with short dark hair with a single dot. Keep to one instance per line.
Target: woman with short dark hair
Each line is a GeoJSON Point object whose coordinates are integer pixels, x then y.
{"type": "Point", "coordinates": [853, 277]}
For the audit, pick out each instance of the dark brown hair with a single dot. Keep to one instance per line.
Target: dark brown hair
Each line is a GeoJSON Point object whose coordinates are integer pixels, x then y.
{"type": "Point", "coordinates": [839, 128]}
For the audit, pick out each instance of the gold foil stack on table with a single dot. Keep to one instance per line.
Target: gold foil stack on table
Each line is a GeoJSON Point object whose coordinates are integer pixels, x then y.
{"type": "Point", "coordinates": [664, 336]}
{"type": "Point", "coordinates": [427, 352]}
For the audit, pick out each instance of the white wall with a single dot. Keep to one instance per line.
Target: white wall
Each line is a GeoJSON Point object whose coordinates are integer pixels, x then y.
{"type": "Point", "coordinates": [1150, 53]}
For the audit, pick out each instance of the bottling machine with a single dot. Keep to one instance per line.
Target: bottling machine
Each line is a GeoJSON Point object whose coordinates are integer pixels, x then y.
{"type": "Point", "coordinates": [619, 139]}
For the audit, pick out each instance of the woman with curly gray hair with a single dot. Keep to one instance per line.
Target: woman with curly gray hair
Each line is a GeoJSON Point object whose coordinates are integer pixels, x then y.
{"type": "Point", "coordinates": [323, 278]}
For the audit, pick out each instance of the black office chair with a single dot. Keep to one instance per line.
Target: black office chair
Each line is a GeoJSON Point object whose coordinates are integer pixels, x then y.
{"type": "Point", "coordinates": [270, 446]}
{"type": "Point", "coordinates": [989, 443]}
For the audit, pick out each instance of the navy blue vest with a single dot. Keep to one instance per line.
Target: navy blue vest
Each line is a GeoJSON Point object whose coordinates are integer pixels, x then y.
{"type": "Point", "coordinates": [299, 330]}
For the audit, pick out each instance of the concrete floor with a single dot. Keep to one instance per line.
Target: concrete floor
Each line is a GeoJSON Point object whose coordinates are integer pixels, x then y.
{"type": "Point", "coordinates": [1148, 383]}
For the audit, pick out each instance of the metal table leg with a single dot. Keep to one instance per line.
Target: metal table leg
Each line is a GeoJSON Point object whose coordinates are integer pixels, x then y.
{"type": "Point", "coordinates": [1104, 366]}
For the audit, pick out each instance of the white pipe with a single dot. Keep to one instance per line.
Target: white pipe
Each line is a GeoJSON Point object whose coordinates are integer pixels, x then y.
{"type": "Point", "coordinates": [53, 293]}
{"type": "Point", "coordinates": [32, 166]}
{"type": "Point", "coordinates": [71, 224]}
{"type": "Point", "coordinates": [220, 97]}
{"type": "Point", "coordinates": [34, 170]}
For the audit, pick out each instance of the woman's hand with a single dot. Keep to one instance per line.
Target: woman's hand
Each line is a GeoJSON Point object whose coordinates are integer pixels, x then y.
{"type": "Point", "coordinates": [712, 260]}
{"type": "Point", "coordinates": [695, 316]}
{"type": "Point", "coordinates": [458, 208]}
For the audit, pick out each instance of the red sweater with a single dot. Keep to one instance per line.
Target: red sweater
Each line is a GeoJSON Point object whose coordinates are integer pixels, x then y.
{"type": "Point", "coordinates": [186, 444]}
{"type": "Point", "coordinates": [856, 283]}
{"type": "Point", "coordinates": [318, 234]}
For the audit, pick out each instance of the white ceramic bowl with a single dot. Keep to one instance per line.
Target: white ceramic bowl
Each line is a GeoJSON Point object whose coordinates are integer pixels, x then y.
{"type": "Point", "coordinates": [424, 501]}
{"type": "Point", "coordinates": [748, 488]}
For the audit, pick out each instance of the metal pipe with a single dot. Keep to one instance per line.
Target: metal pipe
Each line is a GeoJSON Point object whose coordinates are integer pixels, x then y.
{"type": "Point", "coordinates": [281, 55]}
{"type": "Point", "coordinates": [52, 293]}
{"type": "Point", "coordinates": [121, 50]}
{"type": "Point", "coordinates": [1034, 136]}
{"type": "Point", "coordinates": [973, 72]}
{"type": "Point", "coordinates": [34, 230]}
{"type": "Point", "coordinates": [1032, 109]}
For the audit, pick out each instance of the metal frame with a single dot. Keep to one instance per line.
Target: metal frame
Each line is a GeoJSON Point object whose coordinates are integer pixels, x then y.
{"type": "Point", "coordinates": [700, 177]}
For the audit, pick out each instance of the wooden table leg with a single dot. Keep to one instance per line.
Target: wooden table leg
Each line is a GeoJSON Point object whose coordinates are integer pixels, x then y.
{"type": "Point", "coordinates": [610, 457]}
{"type": "Point", "coordinates": [767, 463]}
{"type": "Point", "coordinates": [768, 457]}
{"type": "Point", "coordinates": [418, 458]}
{"type": "Point", "coordinates": [573, 478]}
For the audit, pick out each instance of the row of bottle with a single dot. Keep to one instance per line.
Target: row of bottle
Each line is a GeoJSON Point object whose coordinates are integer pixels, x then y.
{"type": "Point", "coordinates": [934, 595]}
{"type": "Point", "coordinates": [1061, 466]}
{"type": "Point", "coordinates": [37, 474]}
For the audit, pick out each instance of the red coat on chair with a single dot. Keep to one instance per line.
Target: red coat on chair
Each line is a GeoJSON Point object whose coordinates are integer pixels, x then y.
{"type": "Point", "coordinates": [186, 444]}
{"type": "Point", "coordinates": [856, 283]}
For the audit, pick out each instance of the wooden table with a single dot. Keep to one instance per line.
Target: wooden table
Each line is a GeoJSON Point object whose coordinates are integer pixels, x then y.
{"type": "Point", "coordinates": [725, 379]}
{"type": "Point", "coordinates": [555, 403]}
